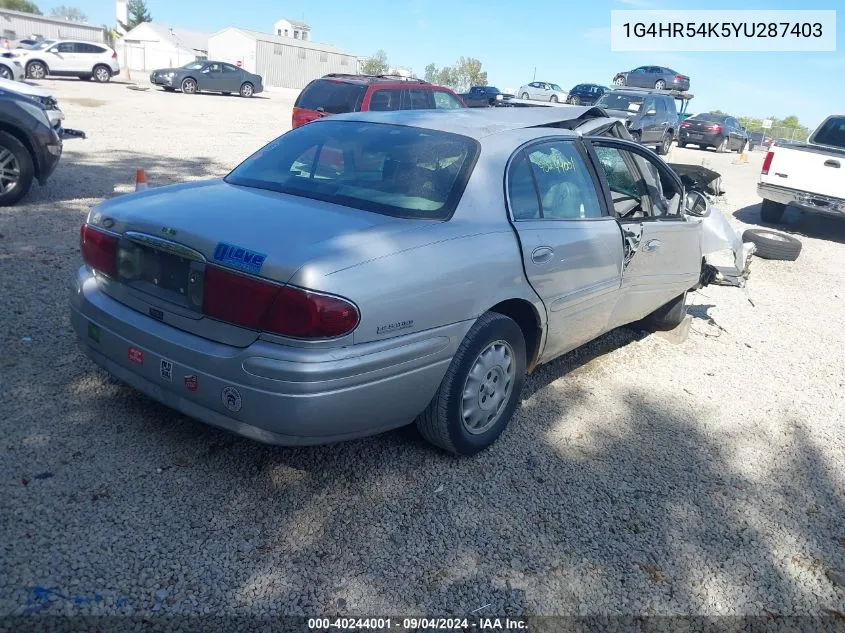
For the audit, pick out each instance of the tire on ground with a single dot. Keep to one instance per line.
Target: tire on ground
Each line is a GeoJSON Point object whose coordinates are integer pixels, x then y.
{"type": "Point", "coordinates": [442, 421]}
{"type": "Point", "coordinates": [669, 316]}
{"type": "Point", "coordinates": [773, 245]}
{"type": "Point", "coordinates": [25, 166]}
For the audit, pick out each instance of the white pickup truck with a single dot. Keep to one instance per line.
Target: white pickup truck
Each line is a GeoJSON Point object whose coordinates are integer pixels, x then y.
{"type": "Point", "coordinates": [808, 176]}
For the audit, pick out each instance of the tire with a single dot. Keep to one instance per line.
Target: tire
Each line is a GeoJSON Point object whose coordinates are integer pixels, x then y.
{"type": "Point", "coordinates": [619, 81]}
{"type": "Point", "coordinates": [247, 90]}
{"type": "Point", "coordinates": [189, 86]}
{"type": "Point", "coordinates": [667, 317]}
{"type": "Point", "coordinates": [773, 245]}
{"type": "Point", "coordinates": [682, 145]}
{"type": "Point", "coordinates": [102, 74]}
{"type": "Point", "coordinates": [524, 96]}
{"type": "Point", "coordinates": [5, 73]}
{"type": "Point", "coordinates": [771, 211]}
{"type": "Point", "coordinates": [14, 156]}
{"type": "Point", "coordinates": [226, 94]}
{"type": "Point", "coordinates": [660, 85]}
{"type": "Point", "coordinates": [36, 70]}
{"type": "Point", "coordinates": [665, 145]}
{"type": "Point", "coordinates": [446, 423]}
{"type": "Point", "coordinates": [723, 147]}
{"type": "Point", "coordinates": [553, 99]}
{"type": "Point", "coordinates": [574, 101]}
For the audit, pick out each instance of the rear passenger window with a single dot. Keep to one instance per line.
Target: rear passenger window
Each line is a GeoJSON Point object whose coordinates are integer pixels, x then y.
{"type": "Point", "coordinates": [445, 101]}
{"type": "Point", "coordinates": [89, 48]}
{"type": "Point", "coordinates": [383, 100]}
{"type": "Point", "coordinates": [565, 187]}
{"type": "Point", "coordinates": [417, 99]}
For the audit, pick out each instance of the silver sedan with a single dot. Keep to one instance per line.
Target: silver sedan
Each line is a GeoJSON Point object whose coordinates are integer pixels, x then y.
{"type": "Point", "coordinates": [369, 270]}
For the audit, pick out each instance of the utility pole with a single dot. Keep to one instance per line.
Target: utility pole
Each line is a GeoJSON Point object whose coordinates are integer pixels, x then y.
{"type": "Point", "coordinates": [534, 78]}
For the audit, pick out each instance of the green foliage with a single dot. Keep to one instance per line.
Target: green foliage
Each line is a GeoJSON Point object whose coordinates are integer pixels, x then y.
{"type": "Point", "coordinates": [20, 5]}
{"type": "Point", "coordinates": [464, 74]}
{"type": "Point", "coordinates": [376, 65]}
{"type": "Point", "coordinates": [718, 113]}
{"type": "Point", "coordinates": [72, 14]}
{"type": "Point", "coordinates": [138, 13]}
{"type": "Point", "coordinates": [789, 127]}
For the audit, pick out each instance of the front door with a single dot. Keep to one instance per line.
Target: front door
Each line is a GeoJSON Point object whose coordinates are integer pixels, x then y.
{"type": "Point", "coordinates": [211, 78]}
{"type": "Point", "coordinates": [651, 130]}
{"type": "Point", "coordinates": [61, 57]}
{"type": "Point", "coordinates": [571, 245]}
{"type": "Point", "coordinates": [662, 257]}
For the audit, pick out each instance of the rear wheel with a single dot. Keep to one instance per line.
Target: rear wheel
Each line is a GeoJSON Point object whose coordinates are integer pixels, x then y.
{"type": "Point", "coordinates": [36, 70]}
{"type": "Point", "coordinates": [619, 81]}
{"type": "Point", "coordinates": [189, 86]}
{"type": "Point", "coordinates": [247, 90]}
{"type": "Point", "coordinates": [16, 170]}
{"type": "Point", "coordinates": [480, 390]}
{"type": "Point", "coordinates": [664, 146]}
{"type": "Point", "coordinates": [660, 85]}
{"type": "Point", "coordinates": [102, 74]}
{"type": "Point", "coordinates": [771, 211]}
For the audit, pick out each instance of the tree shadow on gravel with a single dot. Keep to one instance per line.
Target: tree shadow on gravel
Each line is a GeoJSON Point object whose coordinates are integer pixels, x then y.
{"type": "Point", "coordinates": [797, 223]}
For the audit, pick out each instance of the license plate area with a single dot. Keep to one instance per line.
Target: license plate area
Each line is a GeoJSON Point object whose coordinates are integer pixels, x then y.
{"type": "Point", "coordinates": [160, 273]}
{"type": "Point", "coordinates": [695, 135]}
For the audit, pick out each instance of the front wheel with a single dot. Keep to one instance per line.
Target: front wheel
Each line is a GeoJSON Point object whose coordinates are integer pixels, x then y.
{"type": "Point", "coordinates": [480, 390]}
{"type": "Point", "coordinates": [247, 90]}
{"type": "Point", "coordinates": [36, 70]}
{"type": "Point", "coordinates": [619, 81]}
{"type": "Point", "coordinates": [574, 101]}
{"type": "Point", "coordinates": [664, 146]}
{"type": "Point", "coordinates": [16, 170]}
{"type": "Point", "coordinates": [668, 317]}
{"type": "Point", "coordinates": [5, 73]}
{"type": "Point", "coordinates": [189, 86]}
{"type": "Point", "coordinates": [553, 99]}
{"type": "Point", "coordinates": [524, 95]}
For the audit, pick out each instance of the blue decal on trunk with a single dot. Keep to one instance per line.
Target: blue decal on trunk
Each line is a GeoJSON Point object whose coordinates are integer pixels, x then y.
{"type": "Point", "coordinates": [238, 257]}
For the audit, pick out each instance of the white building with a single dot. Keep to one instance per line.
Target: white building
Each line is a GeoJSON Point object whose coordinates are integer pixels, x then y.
{"type": "Point", "coordinates": [283, 62]}
{"type": "Point", "coordinates": [17, 25]}
{"type": "Point", "coordinates": [151, 45]}
{"type": "Point", "coordinates": [292, 28]}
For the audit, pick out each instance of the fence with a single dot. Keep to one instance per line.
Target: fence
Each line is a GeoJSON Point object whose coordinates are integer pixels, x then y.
{"type": "Point", "coordinates": [777, 134]}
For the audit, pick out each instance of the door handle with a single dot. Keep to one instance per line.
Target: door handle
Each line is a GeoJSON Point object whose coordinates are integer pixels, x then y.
{"type": "Point", "coordinates": [542, 254]}
{"type": "Point", "coordinates": [831, 163]}
{"type": "Point", "coordinates": [653, 245]}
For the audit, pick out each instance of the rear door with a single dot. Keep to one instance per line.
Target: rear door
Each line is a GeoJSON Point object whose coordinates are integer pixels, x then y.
{"type": "Point", "coordinates": [231, 78]}
{"type": "Point", "coordinates": [571, 246]}
{"type": "Point", "coordinates": [417, 99]}
{"type": "Point", "coordinates": [662, 245]}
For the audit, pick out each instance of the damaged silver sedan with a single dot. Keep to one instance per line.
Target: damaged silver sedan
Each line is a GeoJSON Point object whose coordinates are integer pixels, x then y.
{"type": "Point", "coordinates": [369, 270]}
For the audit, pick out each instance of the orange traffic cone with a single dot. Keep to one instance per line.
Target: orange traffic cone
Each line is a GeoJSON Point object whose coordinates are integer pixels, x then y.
{"type": "Point", "coordinates": [140, 180]}
{"type": "Point", "coordinates": [744, 156]}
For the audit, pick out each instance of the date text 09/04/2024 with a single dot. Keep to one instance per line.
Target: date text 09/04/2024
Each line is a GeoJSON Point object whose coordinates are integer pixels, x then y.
{"type": "Point", "coordinates": [723, 29]}
{"type": "Point", "coordinates": [417, 624]}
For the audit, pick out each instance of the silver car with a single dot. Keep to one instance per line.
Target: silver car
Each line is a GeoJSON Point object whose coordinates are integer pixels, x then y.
{"type": "Point", "coordinates": [543, 91]}
{"type": "Point", "coordinates": [368, 270]}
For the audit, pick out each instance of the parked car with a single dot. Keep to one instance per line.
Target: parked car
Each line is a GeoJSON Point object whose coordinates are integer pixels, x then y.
{"type": "Point", "coordinates": [30, 147]}
{"type": "Point", "coordinates": [759, 139]}
{"type": "Point", "coordinates": [339, 94]}
{"type": "Point", "coordinates": [484, 96]}
{"type": "Point", "coordinates": [208, 76]}
{"type": "Point", "coordinates": [807, 176]}
{"type": "Point", "coordinates": [10, 68]}
{"type": "Point", "coordinates": [372, 275]}
{"type": "Point", "coordinates": [69, 58]}
{"type": "Point", "coordinates": [24, 43]}
{"type": "Point", "coordinates": [657, 77]}
{"type": "Point", "coordinates": [543, 91]}
{"type": "Point", "coordinates": [41, 95]}
{"type": "Point", "coordinates": [722, 132]}
{"type": "Point", "coordinates": [651, 117]}
{"type": "Point", "coordinates": [586, 94]}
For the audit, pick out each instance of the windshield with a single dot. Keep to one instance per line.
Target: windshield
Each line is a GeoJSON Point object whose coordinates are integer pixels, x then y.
{"type": "Point", "coordinates": [192, 66]}
{"type": "Point", "coordinates": [556, 87]}
{"type": "Point", "coordinates": [617, 101]}
{"type": "Point", "coordinates": [334, 97]}
{"type": "Point", "coordinates": [832, 132]}
{"type": "Point", "coordinates": [395, 170]}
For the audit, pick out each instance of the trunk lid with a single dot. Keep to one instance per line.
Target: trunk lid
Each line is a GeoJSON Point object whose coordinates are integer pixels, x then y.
{"type": "Point", "coordinates": [166, 232]}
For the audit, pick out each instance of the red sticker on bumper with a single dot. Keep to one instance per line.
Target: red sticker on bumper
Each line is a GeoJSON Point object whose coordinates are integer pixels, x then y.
{"type": "Point", "coordinates": [191, 383]}
{"type": "Point", "coordinates": [136, 356]}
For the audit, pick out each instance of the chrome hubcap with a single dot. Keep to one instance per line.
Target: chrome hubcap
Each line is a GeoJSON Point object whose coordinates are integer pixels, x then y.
{"type": "Point", "coordinates": [488, 387]}
{"type": "Point", "coordinates": [102, 75]}
{"type": "Point", "coordinates": [189, 86]}
{"type": "Point", "coordinates": [10, 171]}
{"type": "Point", "coordinates": [247, 90]}
{"type": "Point", "coordinates": [37, 71]}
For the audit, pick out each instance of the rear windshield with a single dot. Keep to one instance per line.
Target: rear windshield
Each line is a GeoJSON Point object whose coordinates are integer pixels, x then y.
{"type": "Point", "coordinates": [617, 101]}
{"type": "Point", "coordinates": [395, 170]}
{"type": "Point", "coordinates": [334, 97]}
{"type": "Point", "coordinates": [707, 117]}
{"type": "Point", "coordinates": [832, 132]}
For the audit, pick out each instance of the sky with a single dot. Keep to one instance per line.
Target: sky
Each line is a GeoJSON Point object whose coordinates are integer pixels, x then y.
{"type": "Point", "coordinates": [562, 41]}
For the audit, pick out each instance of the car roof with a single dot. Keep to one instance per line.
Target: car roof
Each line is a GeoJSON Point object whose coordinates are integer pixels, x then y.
{"type": "Point", "coordinates": [480, 122]}
{"type": "Point", "coordinates": [373, 79]}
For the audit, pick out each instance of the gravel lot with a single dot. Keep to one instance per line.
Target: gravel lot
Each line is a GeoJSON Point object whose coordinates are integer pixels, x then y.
{"type": "Point", "coordinates": [639, 476]}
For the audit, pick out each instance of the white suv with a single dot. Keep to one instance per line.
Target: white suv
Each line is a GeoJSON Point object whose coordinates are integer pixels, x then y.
{"type": "Point", "coordinates": [85, 60]}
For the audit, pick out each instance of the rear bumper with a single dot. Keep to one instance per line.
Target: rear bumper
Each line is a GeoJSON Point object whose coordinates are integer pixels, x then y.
{"type": "Point", "coordinates": [285, 395]}
{"type": "Point", "coordinates": [804, 200]}
{"type": "Point", "coordinates": [699, 138]}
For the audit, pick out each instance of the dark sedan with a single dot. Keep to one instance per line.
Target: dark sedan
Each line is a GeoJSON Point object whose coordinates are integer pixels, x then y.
{"type": "Point", "coordinates": [208, 76]}
{"type": "Point", "coordinates": [657, 77]}
{"type": "Point", "coordinates": [586, 94]}
{"type": "Point", "coordinates": [713, 130]}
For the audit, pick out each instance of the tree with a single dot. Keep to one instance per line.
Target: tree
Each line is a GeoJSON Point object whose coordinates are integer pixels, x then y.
{"type": "Point", "coordinates": [138, 13]}
{"type": "Point", "coordinates": [465, 73]}
{"type": "Point", "coordinates": [718, 113]}
{"type": "Point", "coordinates": [791, 121]}
{"type": "Point", "coordinates": [71, 14]}
{"type": "Point", "coordinates": [376, 65]}
{"type": "Point", "coordinates": [20, 5]}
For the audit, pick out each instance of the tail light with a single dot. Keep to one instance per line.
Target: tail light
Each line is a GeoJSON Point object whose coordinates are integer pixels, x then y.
{"type": "Point", "coordinates": [679, 77]}
{"type": "Point", "coordinates": [99, 250]}
{"type": "Point", "coordinates": [685, 124]}
{"type": "Point", "coordinates": [267, 307]}
{"type": "Point", "coordinates": [714, 128]}
{"type": "Point", "coordinates": [767, 163]}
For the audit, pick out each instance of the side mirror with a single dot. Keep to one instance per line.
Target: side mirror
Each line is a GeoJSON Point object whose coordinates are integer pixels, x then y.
{"type": "Point", "coordinates": [696, 204]}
